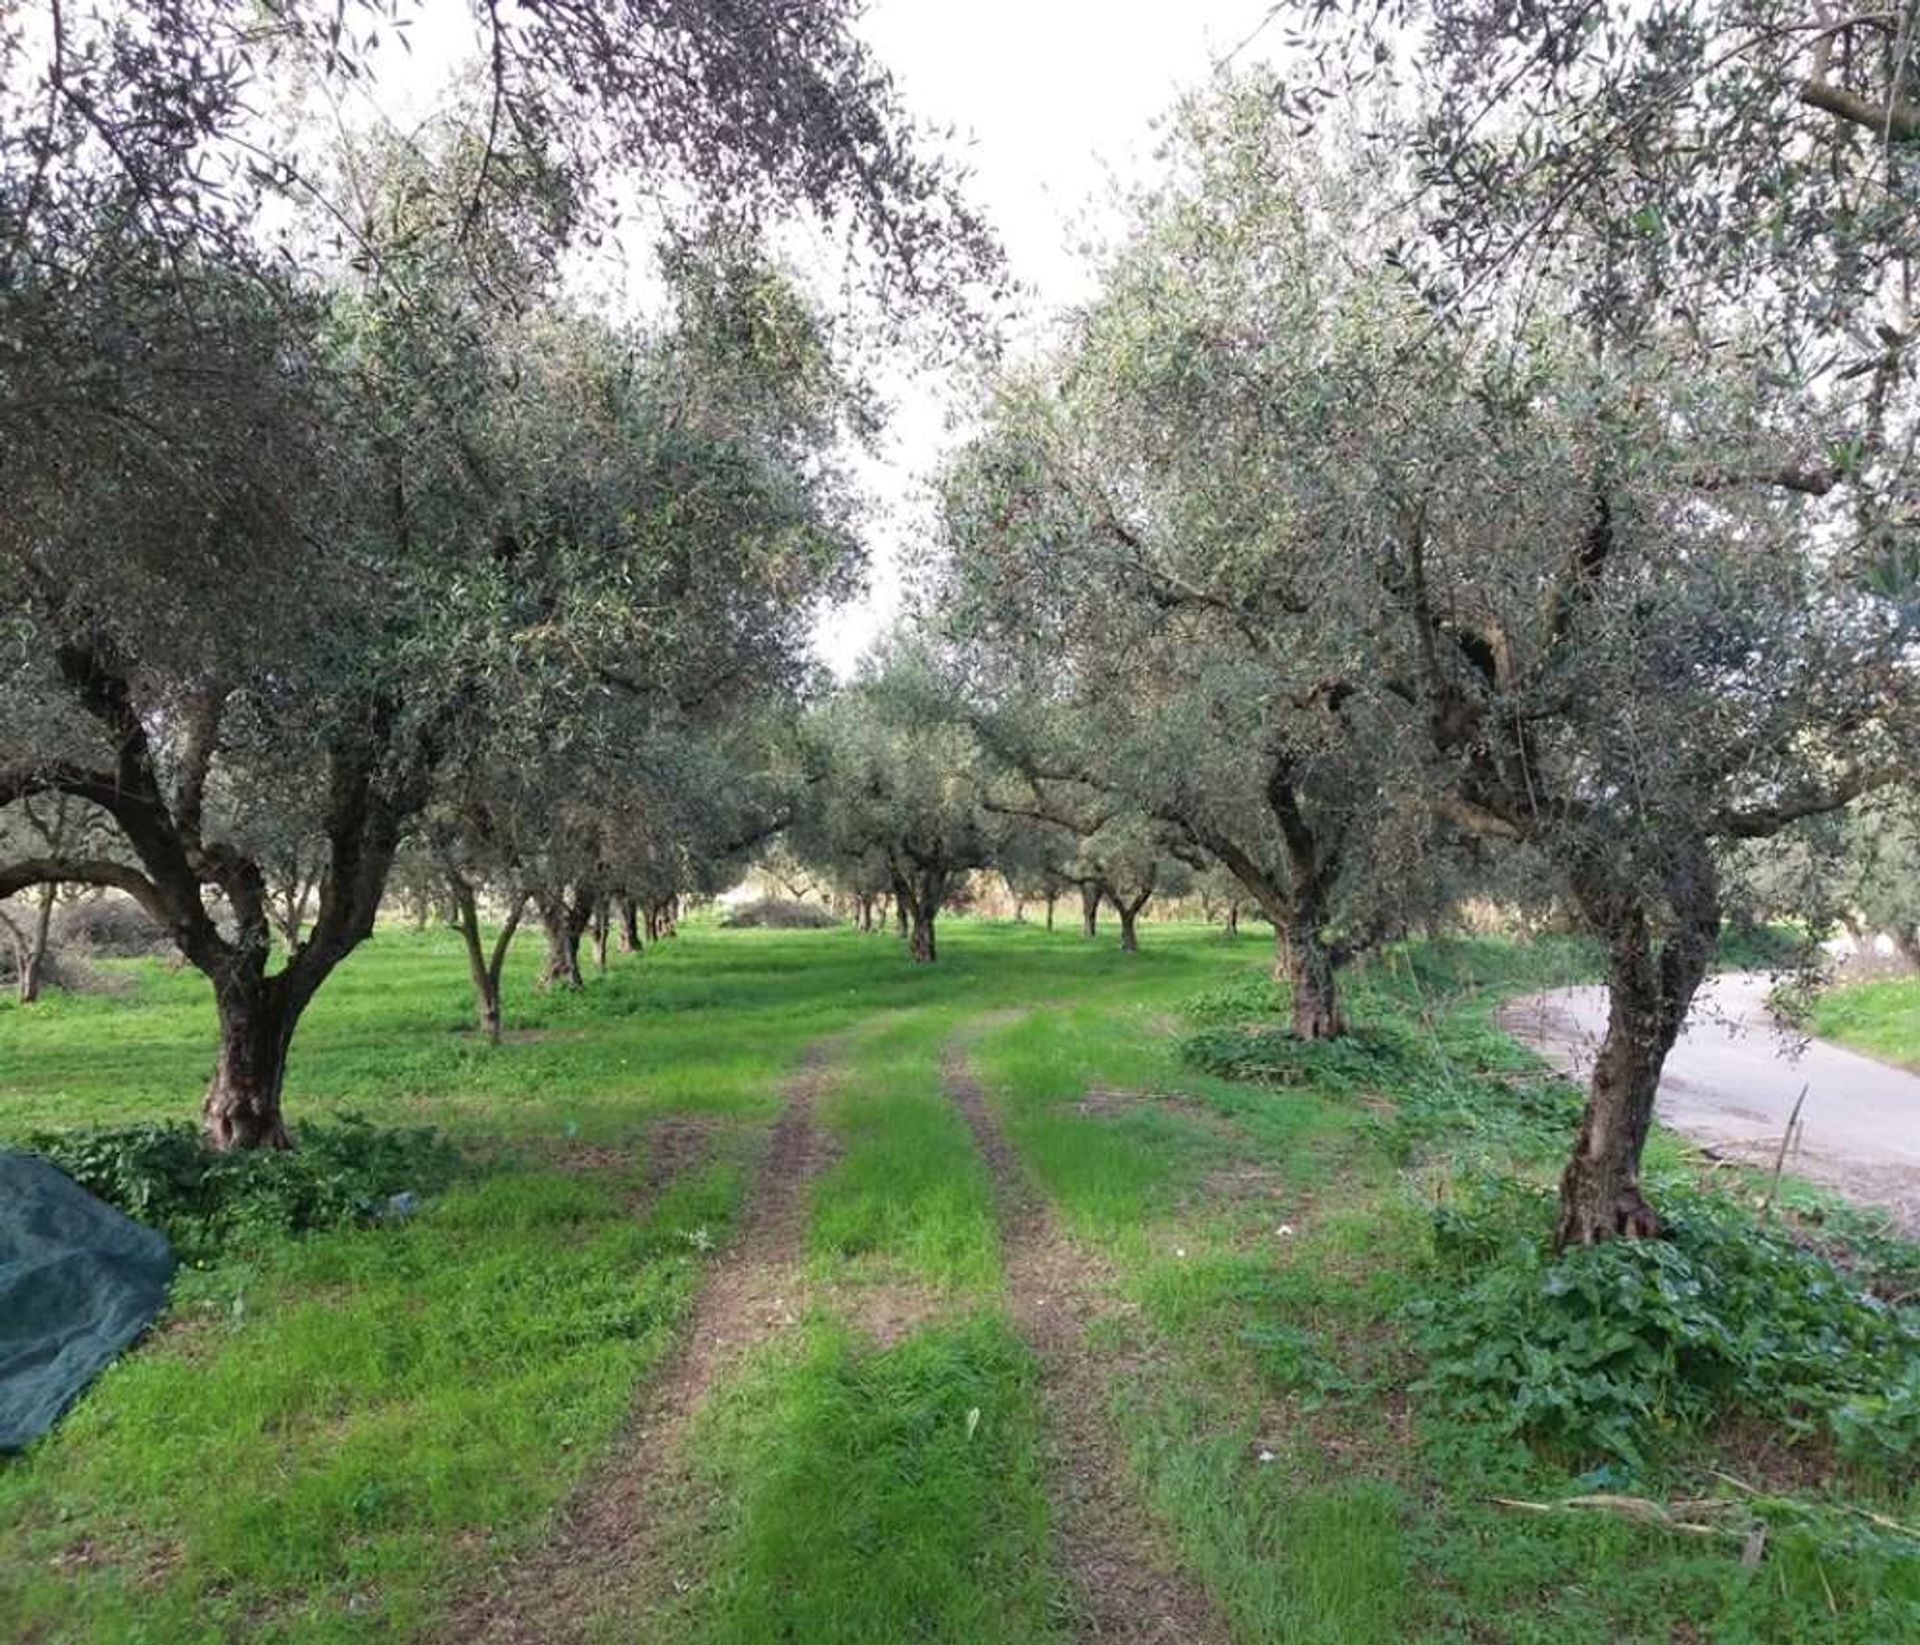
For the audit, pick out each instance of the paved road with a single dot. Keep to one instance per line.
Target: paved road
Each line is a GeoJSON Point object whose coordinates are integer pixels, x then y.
{"type": "Point", "coordinates": [1733, 1078]}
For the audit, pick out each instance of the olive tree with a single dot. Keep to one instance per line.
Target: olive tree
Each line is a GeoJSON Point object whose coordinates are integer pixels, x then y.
{"type": "Point", "coordinates": [257, 507]}
{"type": "Point", "coordinates": [1560, 573]}
{"type": "Point", "coordinates": [1147, 536]}
{"type": "Point", "coordinates": [891, 776]}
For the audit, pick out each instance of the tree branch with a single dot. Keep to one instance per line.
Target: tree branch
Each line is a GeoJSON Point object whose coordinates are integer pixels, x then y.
{"type": "Point", "coordinates": [1896, 120]}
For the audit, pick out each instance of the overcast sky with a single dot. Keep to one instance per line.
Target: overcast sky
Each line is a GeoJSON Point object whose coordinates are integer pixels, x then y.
{"type": "Point", "coordinates": [1054, 99]}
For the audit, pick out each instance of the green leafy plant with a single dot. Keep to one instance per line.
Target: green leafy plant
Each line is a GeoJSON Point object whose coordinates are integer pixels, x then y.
{"type": "Point", "coordinates": [344, 1171]}
{"type": "Point", "coordinates": [1603, 1348]}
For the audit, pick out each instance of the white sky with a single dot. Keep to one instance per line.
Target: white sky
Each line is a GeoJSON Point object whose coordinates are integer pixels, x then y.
{"type": "Point", "coordinates": [1054, 100]}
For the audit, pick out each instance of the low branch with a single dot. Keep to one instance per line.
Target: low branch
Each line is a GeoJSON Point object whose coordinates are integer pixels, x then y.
{"type": "Point", "coordinates": [1895, 120]}
{"type": "Point", "coordinates": [101, 871]}
{"type": "Point", "coordinates": [1763, 821]}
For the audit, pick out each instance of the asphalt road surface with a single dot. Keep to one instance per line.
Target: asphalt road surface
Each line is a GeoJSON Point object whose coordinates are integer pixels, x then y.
{"type": "Point", "coordinates": [1734, 1076]}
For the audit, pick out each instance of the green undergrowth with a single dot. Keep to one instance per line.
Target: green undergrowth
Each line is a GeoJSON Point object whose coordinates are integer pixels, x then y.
{"type": "Point", "coordinates": [1607, 1350]}
{"type": "Point", "coordinates": [393, 1407]}
{"type": "Point", "coordinates": [306, 1447]}
{"type": "Point", "coordinates": [344, 1172]}
{"type": "Point", "coordinates": [873, 1495]}
{"type": "Point", "coordinates": [1291, 1404]}
{"type": "Point", "coordinates": [1122, 1137]}
{"type": "Point", "coordinates": [1423, 1044]}
{"type": "Point", "coordinates": [909, 1197]}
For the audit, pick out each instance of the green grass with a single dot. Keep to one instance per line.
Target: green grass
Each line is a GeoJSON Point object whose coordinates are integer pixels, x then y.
{"type": "Point", "coordinates": [390, 1411]}
{"type": "Point", "coordinates": [1879, 1018]}
{"type": "Point", "coordinates": [362, 1400]}
{"type": "Point", "coordinates": [909, 1197]}
{"type": "Point", "coordinates": [877, 1495]}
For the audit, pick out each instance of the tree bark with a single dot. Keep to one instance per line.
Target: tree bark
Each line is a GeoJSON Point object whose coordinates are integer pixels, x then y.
{"type": "Point", "coordinates": [484, 966]}
{"type": "Point", "coordinates": [1656, 959]}
{"type": "Point", "coordinates": [1051, 900]}
{"type": "Point", "coordinates": [602, 928]}
{"type": "Point", "coordinates": [33, 952]}
{"type": "Point", "coordinates": [1129, 937]}
{"type": "Point", "coordinates": [629, 926]}
{"type": "Point", "coordinates": [1233, 919]}
{"type": "Point", "coordinates": [564, 927]}
{"type": "Point", "coordinates": [1303, 958]}
{"type": "Point", "coordinates": [921, 944]}
{"type": "Point", "coordinates": [242, 1104]}
{"type": "Point", "coordinates": [1089, 911]}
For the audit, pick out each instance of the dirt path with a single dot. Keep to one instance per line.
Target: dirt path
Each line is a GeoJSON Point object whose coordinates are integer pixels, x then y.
{"type": "Point", "coordinates": [599, 1548]}
{"type": "Point", "coordinates": [1734, 1077]}
{"type": "Point", "coordinates": [1127, 1589]}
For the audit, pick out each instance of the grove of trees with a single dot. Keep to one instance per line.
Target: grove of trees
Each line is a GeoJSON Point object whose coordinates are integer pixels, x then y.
{"type": "Point", "coordinates": [1486, 459]}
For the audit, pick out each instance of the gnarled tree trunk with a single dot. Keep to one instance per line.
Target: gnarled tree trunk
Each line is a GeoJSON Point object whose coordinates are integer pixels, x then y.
{"type": "Point", "coordinates": [629, 926]}
{"type": "Point", "coordinates": [242, 1105]}
{"type": "Point", "coordinates": [1656, 959]}
{"type": "Point", "coordinates": [1089, 911]}
{"type": "Point", "coordinates": [1302, 957]}
{"type": "Point", "coordinates": [564, 925]}
{"type": "Point", "coordinates": [921, 943]}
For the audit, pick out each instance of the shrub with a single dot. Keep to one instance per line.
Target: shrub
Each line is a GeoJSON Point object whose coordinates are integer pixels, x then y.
{"type": "Point", "coordinates": [344, 1171]}
{"type": "Point", "coordinates": [1251, 995]}
{"type": "Point", "coordinates": [1453, 1079]}
{"type": "Point", "coordinates": [108, 925]}
{"type": "Point", "coordinates": [1601, 1349]}
{"type": "Point", "coordinates": [67, 972]}
{"type": "Point", "coordinates": [777, 914]}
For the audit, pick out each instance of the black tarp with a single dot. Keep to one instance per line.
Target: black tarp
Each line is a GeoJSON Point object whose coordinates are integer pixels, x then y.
{"type": "Point", "coordinates": [78, 1282]}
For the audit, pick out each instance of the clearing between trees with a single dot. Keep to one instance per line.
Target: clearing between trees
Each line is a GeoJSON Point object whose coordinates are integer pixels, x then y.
{"type": "Point", "coordinates": [772, 1289]}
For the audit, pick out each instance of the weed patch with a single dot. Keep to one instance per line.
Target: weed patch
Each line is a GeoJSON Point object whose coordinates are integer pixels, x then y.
{"type": "Point", "coordinates": [344, 1171]}
{"type": "Point", "coordinates": [1601, 1350]}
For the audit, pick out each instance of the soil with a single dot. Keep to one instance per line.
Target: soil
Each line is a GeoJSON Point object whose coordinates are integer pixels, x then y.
{"type": "Point", "coordinates": [598, 1547]}
{"type": "Point", "coordinates": [1126, 1587]}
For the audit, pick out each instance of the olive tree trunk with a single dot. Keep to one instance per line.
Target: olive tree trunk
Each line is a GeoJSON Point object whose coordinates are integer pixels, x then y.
{"type": "Point", "coordinates": [484, 965]}
{"type": "Point", "coordinates": [30, 946]}
{"type": "Point", "coordinates": [1658, 949]}
{"type": "Point", "coordinates": [921, 945]}
{"type": "Point", "coordinates": [601, 926]}
{"type": "Point", "coordinates": [1089, 911]}
{"type": "Point", "coordinates": [242, 1105]}
{"type": "Point", "coordinates": [1302, 957]}
{"type": "Point", "coordinates": [564, 925]}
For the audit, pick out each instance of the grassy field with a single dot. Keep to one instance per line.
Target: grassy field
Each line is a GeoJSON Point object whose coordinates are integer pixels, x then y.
{"type": "Point", "coordinates": [391, 1415]}
{"type": "Point", "coordinates": [1879, 1018]}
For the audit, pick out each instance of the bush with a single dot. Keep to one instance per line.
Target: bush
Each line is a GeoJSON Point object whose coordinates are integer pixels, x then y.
{"type": "Point", "coordinates": [108, 925]}
{"type": "Point", "coordinates": [776, 914]}
{"type": "Point", "coordinates": [1453, 1079]}
{"type": "Point", "coordinates": [343, 1172]}
{"type": "Point", "coordinates": [1601, 1349]}
{"type": "Point", "coordinates": [67, 972]}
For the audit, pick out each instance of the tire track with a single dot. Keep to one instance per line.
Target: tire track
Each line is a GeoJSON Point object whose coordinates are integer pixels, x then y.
{"type": "Point", "coordinates": [1126, 1587]}
{"type": "Point", "coordinates": [601, 1546]}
